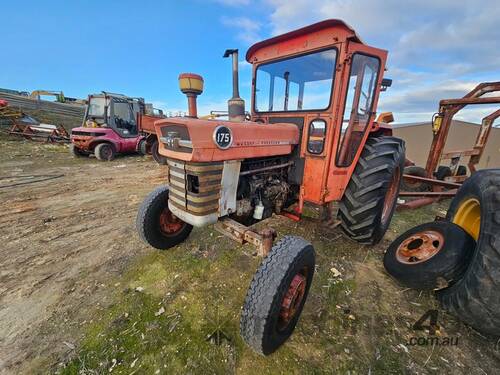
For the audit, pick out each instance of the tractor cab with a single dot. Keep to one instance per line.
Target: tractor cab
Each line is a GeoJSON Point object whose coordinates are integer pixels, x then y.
{"type": "Point", "coordinates": [326, 81]}
{"type": "Point", "coordinates": [114, 111]}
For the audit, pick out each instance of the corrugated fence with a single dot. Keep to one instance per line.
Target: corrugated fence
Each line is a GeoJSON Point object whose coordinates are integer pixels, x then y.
{"type": "Point", "coordinates": [25, 103]}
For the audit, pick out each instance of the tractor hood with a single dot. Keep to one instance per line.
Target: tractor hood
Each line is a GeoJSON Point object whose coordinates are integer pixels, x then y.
{"type": "Point", "coordinates": [199, 140]}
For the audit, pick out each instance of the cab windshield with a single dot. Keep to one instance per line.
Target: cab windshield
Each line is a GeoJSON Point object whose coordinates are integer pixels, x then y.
{"type": "Point", "coordinates": [96, 107]}
{"type": "Point", "coordinates": [296, 84]}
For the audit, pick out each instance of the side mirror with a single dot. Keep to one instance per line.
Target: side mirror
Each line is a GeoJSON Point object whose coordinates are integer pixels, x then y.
{"type": "Point", "coordinates": [386, 83]}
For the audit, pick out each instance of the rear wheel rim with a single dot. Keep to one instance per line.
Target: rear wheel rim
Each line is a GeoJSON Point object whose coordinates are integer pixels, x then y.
{"type": "Point", "coordinates": [468, 216]}
{"type": "Point", "coordinates": [292, 300]}
{"type": "Point", "coordinates": [391, 196]}
{"type": "Point", "coordinates": [420, 247]}
{"type": "Point", "coordinates": [169, 223]}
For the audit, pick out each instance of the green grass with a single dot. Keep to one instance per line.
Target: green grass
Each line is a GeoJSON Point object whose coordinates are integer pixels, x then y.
{"type": "Point", "coordinates": [352, 323]}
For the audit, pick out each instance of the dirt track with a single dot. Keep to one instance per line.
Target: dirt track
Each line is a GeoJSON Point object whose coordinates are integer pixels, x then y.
{"type": "Point", "coordinates": [60, 242]}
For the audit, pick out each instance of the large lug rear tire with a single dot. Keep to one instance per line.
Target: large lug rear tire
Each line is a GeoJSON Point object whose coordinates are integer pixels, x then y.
{"type": "Point", "coordinates": [160, 159]}
{"type": "Point", "coordinates": [277, 295]}
{"type": "Point", "coordinates": [475, 298]}
{"type": "Point", "coordinates": [156, 224]}
{"type": "Point", "coordinates": [370, 198]}
{"type": "Point", "coordinates": [104, 151]}
{"type": "Point", "coordinates": [429, 256]}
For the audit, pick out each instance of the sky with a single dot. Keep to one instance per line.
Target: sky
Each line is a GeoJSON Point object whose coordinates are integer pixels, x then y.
{"type": "Point", "coordinates": [437, 48]}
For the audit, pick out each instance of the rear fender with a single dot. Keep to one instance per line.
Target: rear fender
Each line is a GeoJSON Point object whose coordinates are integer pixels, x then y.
{"type": "Point", "coordinates": [94, 144]}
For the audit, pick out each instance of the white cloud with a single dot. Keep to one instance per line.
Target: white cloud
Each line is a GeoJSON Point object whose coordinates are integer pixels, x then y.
{"type": "Point", "coordinates": [248, 30]}
{"type": "Point", "coordinates": [437, 49]}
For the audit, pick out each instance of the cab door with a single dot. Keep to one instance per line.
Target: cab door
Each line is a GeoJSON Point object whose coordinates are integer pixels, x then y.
{"type": "Point", "coordinates": [318, 138]}
{"type": "Point", "coordinates": [362, 75]}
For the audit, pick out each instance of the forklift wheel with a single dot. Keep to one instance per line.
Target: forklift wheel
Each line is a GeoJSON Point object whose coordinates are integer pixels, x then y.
{"type": "Point", "coordinates": [461, 170]}
{"type": "Point", "coordinates": [408, 185]}
{"type": "Point", "coordinates": [475, 298]}
{"type": "Point", "coordinates": [160, 159]}
{"type": "Point", "coordinates": [104, 152]}
{"type": "Point", "coordinates": [369, 201]}
{"type": "Point", "coordinates": [430, 256]}
{"type": "Point", "coordinates": [443, 172]}
{"type": "Point", "coordinates": [76, 152]}
{"type": "Point", "coordinates": [156, 224]}
{"type": "Point", "coordinates": [277, 295]}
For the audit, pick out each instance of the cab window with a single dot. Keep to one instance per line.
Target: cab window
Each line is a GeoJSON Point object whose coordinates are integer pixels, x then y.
{"type": "Point", "coordinates": [124, 118]}
{"type": "Point", "coordinates": [316, 137]}
{"type": "Point", "coordinates": [297, 83]}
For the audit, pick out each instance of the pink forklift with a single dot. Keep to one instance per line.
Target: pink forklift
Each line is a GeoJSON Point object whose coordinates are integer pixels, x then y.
{"type": "Point", "coordinates": [116, 124]}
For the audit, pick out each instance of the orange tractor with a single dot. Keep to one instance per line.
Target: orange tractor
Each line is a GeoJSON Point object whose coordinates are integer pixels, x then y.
{"type": "Point", "coordinates": [312, 138]}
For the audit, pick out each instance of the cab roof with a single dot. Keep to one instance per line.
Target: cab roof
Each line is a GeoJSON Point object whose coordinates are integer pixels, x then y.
{"type": "Point", "coordinates": [316, 27]}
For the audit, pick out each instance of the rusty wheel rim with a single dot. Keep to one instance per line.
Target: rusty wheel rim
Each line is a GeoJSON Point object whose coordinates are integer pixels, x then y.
{"type": "Point", "coordinates": [169, 224]}
{"type": "Point", "coordinates": [420, 247]}
{"type": "Point", "coordinates": [391, 196]}
{"type": "Point", "coordinates": [292, 300]}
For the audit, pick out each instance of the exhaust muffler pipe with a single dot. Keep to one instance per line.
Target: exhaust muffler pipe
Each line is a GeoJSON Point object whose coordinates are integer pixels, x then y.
{"type": "Point", "coordinates": [235, 105]}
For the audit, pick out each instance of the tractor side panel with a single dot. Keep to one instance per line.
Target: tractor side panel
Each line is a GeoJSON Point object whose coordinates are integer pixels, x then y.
{"type": "Point", "coordinates": [313, 180]}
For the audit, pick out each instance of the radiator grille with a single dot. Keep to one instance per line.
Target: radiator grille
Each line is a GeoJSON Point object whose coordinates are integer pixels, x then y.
{"type": "Point", "coordinates": [195, 187]}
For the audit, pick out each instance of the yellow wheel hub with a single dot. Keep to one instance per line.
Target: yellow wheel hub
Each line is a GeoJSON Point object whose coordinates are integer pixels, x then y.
{"type": "Point", "coordinates": [468, 216]}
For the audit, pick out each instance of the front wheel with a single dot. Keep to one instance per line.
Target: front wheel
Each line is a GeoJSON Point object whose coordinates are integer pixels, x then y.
{"type": "Point", "coordinates": [156, 224]}
{"type": "Point", "coordinates": [277, 295]}
{"type": "Point", "coordinates": [369, 201]}
{"type": "Point", "coordinates": [76, 152]}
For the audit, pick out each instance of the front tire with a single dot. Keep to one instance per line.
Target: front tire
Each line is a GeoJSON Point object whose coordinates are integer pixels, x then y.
{"type": "Point", "coordinates": [76, 152]}
{"type": "Point", "coordinates": [370, 198]}
{"type": "Point", "coordinates": [475, 299]}
{"type": "Point", "coordinates": [156, 224]}
{"type": "Point", "coordinates": [277, 295]}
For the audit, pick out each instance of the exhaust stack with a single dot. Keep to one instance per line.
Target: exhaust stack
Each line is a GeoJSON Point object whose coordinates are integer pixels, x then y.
{"type": "Point", "coordinates": [236, 105]}
{"type": "Point", "coordinates": [192, 85]}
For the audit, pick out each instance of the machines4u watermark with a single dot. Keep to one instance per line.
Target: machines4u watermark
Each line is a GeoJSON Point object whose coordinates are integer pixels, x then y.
{"type": "Point", "coordinates": [434, 337]}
